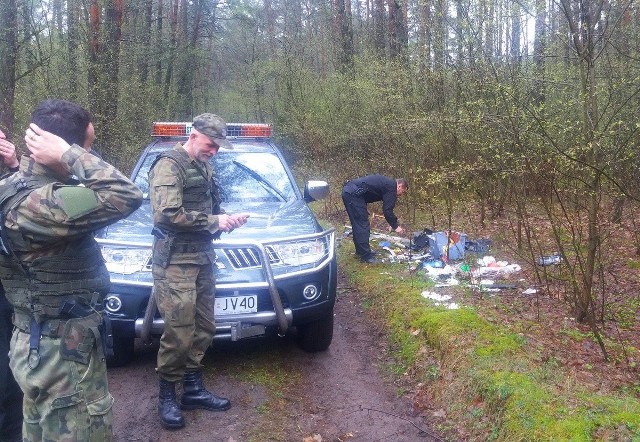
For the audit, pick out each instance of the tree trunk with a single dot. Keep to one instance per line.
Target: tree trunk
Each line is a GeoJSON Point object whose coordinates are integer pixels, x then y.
{"type": "Point", "coordinates": [378, 27]}
{"type": "Point", "coordinates": [539, 45]}
{"type": "Point", "coordinates": [187, 61]}
{"type": "Point", "coordinates": [516, 32]}
{"type": "Point", "coordinates": [424, 37]}
{"type": "Point", "coordinates": [73, 40]}
{"type": "Point", "coordinates": [106, 29]}
{"type": "Point", "coordinates": [398, 39]}
{"type": "Point", "coordinates": [173, 49]}
{"type": "Point", "coordinates": [344, 31]}
{"type": "Point", "coordinates": [160, 45]}
{"type": "Point", "coordinates": [8, 51]}
{"type": "Point", "coordinates": [143, 61]}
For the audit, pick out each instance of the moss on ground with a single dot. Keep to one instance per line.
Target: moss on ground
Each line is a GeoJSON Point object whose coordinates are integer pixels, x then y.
{"type": "Point", "coordinates": [486, 377]}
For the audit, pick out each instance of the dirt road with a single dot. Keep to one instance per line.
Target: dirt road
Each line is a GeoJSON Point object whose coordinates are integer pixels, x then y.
{"type": "Point", "coordinates": [280, 393]}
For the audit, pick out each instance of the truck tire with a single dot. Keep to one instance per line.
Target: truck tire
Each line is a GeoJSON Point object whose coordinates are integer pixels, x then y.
{"type": "Point", "coordinates": [317, 335]}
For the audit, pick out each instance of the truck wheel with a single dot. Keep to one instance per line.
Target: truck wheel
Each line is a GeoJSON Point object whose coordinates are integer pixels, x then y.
{"type": "Point", "coordinates": [317, 335]}
{"type": "Point", "coordinates": [122, 352]}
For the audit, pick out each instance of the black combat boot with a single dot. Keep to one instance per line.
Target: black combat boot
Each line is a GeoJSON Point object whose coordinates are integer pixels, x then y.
{"type": "Point", "coordinates": [196, 396]}
{"type": "Point", "coordinates": [170, 414]}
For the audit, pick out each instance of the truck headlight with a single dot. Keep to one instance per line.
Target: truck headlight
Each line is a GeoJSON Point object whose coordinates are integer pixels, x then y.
{"type": "Point", "coordinates": [301, 252]}
{"type": "Point", "coordinates": [126, 261]}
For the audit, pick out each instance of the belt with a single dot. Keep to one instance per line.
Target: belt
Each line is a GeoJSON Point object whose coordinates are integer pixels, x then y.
{"type": "Point", "coordinates": [52, 328]}
{"type": "Point", "coordinates": [192, 247]}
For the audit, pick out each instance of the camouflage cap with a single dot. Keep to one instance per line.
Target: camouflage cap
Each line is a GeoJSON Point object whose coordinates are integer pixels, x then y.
{"type": "Point", "coordinates": [214, 127]}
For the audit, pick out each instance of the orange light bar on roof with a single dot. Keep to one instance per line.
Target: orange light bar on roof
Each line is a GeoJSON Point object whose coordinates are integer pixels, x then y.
{"type": "Point", "coordinates": [249, 130]}
{"type": "Point", "coordinates": [183, 129]}
{"type": "Point", "coordinates": [171, 129]}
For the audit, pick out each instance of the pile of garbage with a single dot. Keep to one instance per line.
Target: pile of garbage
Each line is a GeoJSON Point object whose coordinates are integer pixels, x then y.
{"type": "Point", "coordinates": [450, 258]}
{"type": "Point", "coordinates": [427, 248]}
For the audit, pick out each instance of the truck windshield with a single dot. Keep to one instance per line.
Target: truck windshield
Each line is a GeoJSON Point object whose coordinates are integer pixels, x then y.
{"type": "Point", "coordinates": [236, 184]}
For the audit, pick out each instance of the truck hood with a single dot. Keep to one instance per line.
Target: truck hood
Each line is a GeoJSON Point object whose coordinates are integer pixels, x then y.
{"type": "Point", "coordinates": [267, 221]}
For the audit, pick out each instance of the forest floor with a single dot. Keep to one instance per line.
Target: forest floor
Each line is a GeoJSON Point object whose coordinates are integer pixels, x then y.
{"type": "Point", "coordinates": [545, 318]}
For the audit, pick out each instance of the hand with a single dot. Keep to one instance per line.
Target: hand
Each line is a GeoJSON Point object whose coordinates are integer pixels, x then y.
{"type": "Point", "coordinates": [241, 218]}
{"type": "Point", "coordinates": [46, 148]}
{"type": "Point", "coordinates": [8, 152]}
{"type": "Point", "coordinates": [399, 230]}
{"type": "Point", "coordinates": [227, 223]}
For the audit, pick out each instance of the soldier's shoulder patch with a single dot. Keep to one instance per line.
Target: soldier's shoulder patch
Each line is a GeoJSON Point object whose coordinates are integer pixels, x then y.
{"type": "Point", "coordinates": [76, 201]}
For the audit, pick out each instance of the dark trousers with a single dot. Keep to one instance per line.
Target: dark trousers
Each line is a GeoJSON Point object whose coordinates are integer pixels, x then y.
{"type": "Point", "coordinates": [359, 217]}
{"type": "Point", "coordinates": [10, 393]}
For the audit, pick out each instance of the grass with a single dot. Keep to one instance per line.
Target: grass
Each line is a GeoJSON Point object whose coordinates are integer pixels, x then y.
{"type": "Point", "coordinates": [491, 382]}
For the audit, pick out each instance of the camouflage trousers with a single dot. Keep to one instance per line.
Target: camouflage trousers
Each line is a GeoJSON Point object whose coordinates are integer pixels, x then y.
{"type": "Point", "coordinates": [64, 399]}
{"type": "Point", "coordinates": [185, 296]}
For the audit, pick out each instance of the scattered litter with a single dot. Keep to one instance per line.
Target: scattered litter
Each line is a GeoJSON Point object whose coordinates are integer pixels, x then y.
{"type": "Point", "coordinates": [434, 252]}
{"type": "Point", "coordinates": [497, 287]}
{"type": "Point", "coordinates": [447, 245]}
{"type": "Point", "coordinates": [448, 282]}
{"type": "Point", "coordinates": [505, 269]}
{"type": "Point", "coordinates": [442, 276]}
{"type": "Point", "coordinates": [437, 271]}
{"type": "Point", "coordinates": [391, 252]}
{"type": "Point", "coordinates": [544, 261]}
{"type": "Point", "coordinates": [480, 246]}
{"type": "Point", "coordinates": [440, 300]}
{"type": "Point", "coordinates": [490, 285]}
{"type": "Point", "coordinates": [404, 242]}
{"type": "Point", "coordinates": [434, 263]}
{"type": "Point", "coordinates": [489, 266]}
{"type": "Point", "coordinates": [435, 296]}
{"type": "Point", "coordinates": [488, 261]}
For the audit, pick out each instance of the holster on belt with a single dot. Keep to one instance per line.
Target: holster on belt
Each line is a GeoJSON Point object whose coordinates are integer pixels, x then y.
{"type": "Point", "coordinates": [82, 316]}
{"type": "Point", "coordinates": [162, 247]}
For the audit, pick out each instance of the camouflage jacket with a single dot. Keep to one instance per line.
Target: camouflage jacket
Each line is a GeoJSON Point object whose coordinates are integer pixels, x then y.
{"type": "Point", "coordinates": [167, 181]}
{"type": "Point", "coordinates": [56, 212]}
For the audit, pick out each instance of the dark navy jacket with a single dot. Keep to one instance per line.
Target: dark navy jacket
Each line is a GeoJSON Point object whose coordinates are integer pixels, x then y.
{"type": "Point", "coordinates": [374, 188]}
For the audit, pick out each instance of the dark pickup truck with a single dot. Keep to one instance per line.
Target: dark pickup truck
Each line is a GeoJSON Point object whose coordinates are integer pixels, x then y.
{"type": "Point", "coordinates": [274, 274]}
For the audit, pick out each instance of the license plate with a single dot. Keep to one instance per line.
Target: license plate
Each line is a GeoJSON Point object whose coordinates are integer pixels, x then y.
{"type": "Point", "coordinates": [232, 305]}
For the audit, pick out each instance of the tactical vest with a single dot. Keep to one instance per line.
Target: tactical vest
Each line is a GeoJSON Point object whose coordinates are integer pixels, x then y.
{"type": "Point", "coordinates": [199, 193]}
{"type": "Point", "coordinates": [75, 272]}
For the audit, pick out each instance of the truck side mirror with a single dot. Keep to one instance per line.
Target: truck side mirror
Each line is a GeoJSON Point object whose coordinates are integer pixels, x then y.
{"type": "Point", "coordinates": [315, 190]}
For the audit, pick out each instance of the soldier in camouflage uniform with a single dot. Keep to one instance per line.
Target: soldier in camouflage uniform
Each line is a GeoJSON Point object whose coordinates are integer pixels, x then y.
{"type": "Point", "coordinates": [186, 215]}
{"type": "Point", "coordinates": [54, 275]}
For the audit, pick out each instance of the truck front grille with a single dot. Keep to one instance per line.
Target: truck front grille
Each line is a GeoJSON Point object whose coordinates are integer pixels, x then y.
{"type": "Point", "coordinates": [246, 257]}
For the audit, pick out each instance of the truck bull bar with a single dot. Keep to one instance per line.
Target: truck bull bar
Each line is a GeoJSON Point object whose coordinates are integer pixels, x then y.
{"type": "Point", "coordinates": [284, 316]}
